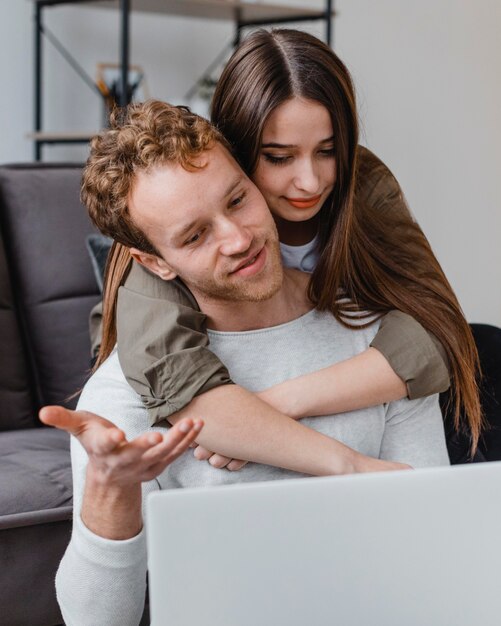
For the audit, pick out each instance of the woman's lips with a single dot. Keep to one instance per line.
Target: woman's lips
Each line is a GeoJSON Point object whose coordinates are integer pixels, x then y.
{"type": "Point", "coordinates": [304, 203]}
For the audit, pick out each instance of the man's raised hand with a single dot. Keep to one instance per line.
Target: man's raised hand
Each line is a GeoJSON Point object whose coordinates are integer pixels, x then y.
{"type": "Point", "coordinates": [115, 460]}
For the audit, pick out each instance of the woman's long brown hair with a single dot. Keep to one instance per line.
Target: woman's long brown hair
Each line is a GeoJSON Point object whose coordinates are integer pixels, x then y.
{"type": "Point", "coordinates": [377, 262]}
{"type": "Point", "coordinates": [118, 266]}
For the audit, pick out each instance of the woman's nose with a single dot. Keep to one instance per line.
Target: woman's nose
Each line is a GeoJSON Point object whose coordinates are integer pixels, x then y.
{"type": "Point", "coordinates": [306, 177]}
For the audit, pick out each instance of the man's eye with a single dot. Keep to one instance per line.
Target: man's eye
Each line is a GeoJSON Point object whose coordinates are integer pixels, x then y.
{"type": "Point", "coordinates": [276, 160]}
{"type": "Point", "coordinates": [194, 238]}
{"type": "Point", "coordinates": [238, 200]}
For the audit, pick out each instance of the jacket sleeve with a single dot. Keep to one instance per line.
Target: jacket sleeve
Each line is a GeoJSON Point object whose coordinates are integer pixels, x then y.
{"type": "Point", "coordinates": [415, 354]}
{"type": "Point", "coordinates": [163, 344]}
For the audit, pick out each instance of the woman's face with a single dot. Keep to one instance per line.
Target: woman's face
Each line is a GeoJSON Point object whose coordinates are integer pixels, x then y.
{"type": "Point", "coordinates": [296, 169]}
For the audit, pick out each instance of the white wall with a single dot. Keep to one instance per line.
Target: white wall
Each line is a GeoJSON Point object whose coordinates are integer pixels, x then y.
{"type": "Point", "coordinates": [427, 77]}
{"type": "Point", "coordinates": [16, 76]}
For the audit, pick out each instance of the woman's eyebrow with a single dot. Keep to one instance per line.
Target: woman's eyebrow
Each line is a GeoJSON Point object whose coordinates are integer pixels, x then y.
{"type": "Point", "coordinates": [277, 145]}
{"type": "Point", "coordinates": [291, 145]}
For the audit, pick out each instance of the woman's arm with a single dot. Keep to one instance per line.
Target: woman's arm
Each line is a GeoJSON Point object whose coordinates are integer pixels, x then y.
{"type": "Point", "coordinates": [357, 383]}
{"type": "Point", "coordinates": [163, 344]}
{"type": "Point", "coordinates": [403, 361]}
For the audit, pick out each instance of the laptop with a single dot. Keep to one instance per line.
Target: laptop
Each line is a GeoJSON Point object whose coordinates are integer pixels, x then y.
{"type": "Point", "coordinates": [407, 548]}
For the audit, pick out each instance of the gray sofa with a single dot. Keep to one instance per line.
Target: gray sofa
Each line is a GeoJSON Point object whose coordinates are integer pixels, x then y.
{"type": "Point", "coordinates": [47, 288]}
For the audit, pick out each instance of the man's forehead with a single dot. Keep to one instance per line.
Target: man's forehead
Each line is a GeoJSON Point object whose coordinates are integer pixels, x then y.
{"type": "Point", "coordinates": [216, 163]}
{"type": "Point", "coordinates": [171, 195]}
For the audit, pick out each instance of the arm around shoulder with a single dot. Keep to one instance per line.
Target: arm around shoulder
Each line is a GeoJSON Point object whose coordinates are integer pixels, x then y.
{"type": "Point", "coordinates": [163, 345]}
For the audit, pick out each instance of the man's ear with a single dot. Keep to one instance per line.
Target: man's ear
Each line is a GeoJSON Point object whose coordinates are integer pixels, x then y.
{"type": "Point", "coordinates": [154, 263]}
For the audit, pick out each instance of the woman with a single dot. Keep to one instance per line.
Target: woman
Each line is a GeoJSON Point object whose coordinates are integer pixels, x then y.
{"type": "Point", "coordinates": [345, 220]}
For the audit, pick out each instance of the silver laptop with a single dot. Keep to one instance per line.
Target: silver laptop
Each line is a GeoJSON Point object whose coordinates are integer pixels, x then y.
{"type": "Point", "coordinates": [416, 548]}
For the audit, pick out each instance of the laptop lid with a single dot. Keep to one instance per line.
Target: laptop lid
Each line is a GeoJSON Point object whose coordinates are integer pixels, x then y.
{"type": "Point", "coordinates": [415, 548]}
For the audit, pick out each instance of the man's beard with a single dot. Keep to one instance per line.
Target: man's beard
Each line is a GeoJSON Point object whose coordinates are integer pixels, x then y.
{"type": "Point", "coordinates": [254, 289]}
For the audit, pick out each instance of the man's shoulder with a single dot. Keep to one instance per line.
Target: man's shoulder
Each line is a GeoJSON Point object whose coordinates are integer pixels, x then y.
{"type": "Point", "coordinates": [365, 326]}
{"type": "Point", "coordinates": [109, 371]}
{"type": "Point", "coordinates": [108, 393]}
{"type": "Point", "coordinates": [420, 409]}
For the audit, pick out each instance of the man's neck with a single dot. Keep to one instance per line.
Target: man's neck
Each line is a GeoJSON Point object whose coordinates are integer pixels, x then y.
{"type": "Point", "coordinates": [290, 302]}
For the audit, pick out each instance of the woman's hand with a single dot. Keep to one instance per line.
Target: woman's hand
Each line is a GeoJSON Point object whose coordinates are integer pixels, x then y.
{"type": "Point", "coordinates": [361, 462]}
{"type": "Point", "coordinates": [217, 460]}
{"type": "Point", "coordinates": [364, 464]}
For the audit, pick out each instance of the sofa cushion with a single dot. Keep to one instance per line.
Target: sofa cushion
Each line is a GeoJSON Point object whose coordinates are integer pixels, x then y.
{"type": "Point", "coordinates": [35, 477]}
{"type": "Point", "coordinates": [16, 400]}
{"type": "Point", "coordinates": [45, 227]}
{"type": "Point", "coordinates": [99, 247]}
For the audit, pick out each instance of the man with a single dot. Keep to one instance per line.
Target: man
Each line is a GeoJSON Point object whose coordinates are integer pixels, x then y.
{"type": "Point", "coordinates": [181, 203]}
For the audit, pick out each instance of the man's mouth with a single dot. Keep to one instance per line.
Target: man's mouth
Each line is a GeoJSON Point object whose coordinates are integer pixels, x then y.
{"type": "Point", "coordinates": [249, 263]}
{"type": "Point", "coordinates": [304, 203]}
{"type": "Point", "coordinates": [252, 264]}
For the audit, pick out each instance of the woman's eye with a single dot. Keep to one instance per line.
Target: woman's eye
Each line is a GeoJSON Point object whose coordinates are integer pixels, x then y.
{"type": "Point", "coordinates": [328, 152]}
{"type": "Point", "coordinates": [276, 160]}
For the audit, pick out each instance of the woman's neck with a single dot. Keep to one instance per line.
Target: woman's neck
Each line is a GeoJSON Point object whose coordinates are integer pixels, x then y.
{"type": "Point", "coordinates": [296, 233]}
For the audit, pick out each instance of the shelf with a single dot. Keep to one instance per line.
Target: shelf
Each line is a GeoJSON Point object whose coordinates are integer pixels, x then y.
{"type": "Point", "coordinates": [208, 9]}
{"type": "Point", "coordinates": [242, 13]}
{"type": "Point", "coordinates": [61, 137]}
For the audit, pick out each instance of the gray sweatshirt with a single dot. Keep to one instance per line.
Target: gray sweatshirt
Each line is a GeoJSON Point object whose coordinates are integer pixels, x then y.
{"type": "Point", "coordinates": [102, 581]}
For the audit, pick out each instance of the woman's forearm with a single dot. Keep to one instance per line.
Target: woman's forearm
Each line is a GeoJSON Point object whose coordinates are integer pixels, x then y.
{"type": "Point", "coordinates": [364, 380]}
{"type": "Point", "coordinates": [239, 425]}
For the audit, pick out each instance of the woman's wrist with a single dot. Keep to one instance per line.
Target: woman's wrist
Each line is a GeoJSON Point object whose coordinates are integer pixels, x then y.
{"type": "Point", "coordinates": [282, 398]}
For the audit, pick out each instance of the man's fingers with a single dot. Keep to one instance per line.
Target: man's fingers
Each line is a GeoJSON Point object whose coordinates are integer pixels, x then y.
{"type": "Point", "coordinates": [176, 441]}
{"type": "Point", "coordinates": [73, 422]}
{"type": "Point", "coordinates": [104, 442]}
{"type": "Point", "coordinates": [181, 436]}
{"type": "Point", "coordinates": [58, 416]}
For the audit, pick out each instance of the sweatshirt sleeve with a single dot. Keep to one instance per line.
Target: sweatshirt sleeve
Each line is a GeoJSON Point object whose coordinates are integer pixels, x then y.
{"type": "Point", "coordinates": [163, 346]}
{"type": "Point", "coordinates": [102, 581]}
{"type": "Point", "coordinates": [414, 433]}
{"type": "Point", "coordinates": [415, 354]}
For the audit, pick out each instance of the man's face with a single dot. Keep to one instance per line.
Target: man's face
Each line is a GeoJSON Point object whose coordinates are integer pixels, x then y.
{"type": "Point", "coordinates": [211, 227]}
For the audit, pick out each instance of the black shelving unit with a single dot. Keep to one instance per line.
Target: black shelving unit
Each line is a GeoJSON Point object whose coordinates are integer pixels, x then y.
{"type": "Point", "coordinates": [243, 14]}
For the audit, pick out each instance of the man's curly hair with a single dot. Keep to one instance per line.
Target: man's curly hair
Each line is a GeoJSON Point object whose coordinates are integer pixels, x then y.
{"type": "Point", "coordinates": [140, 136]}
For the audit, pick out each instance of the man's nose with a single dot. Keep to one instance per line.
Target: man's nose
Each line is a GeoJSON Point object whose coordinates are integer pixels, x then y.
{"type": "Point", "coordinates": [236, 238]}
{"type": "Point", "coordinates": [306, 177]}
